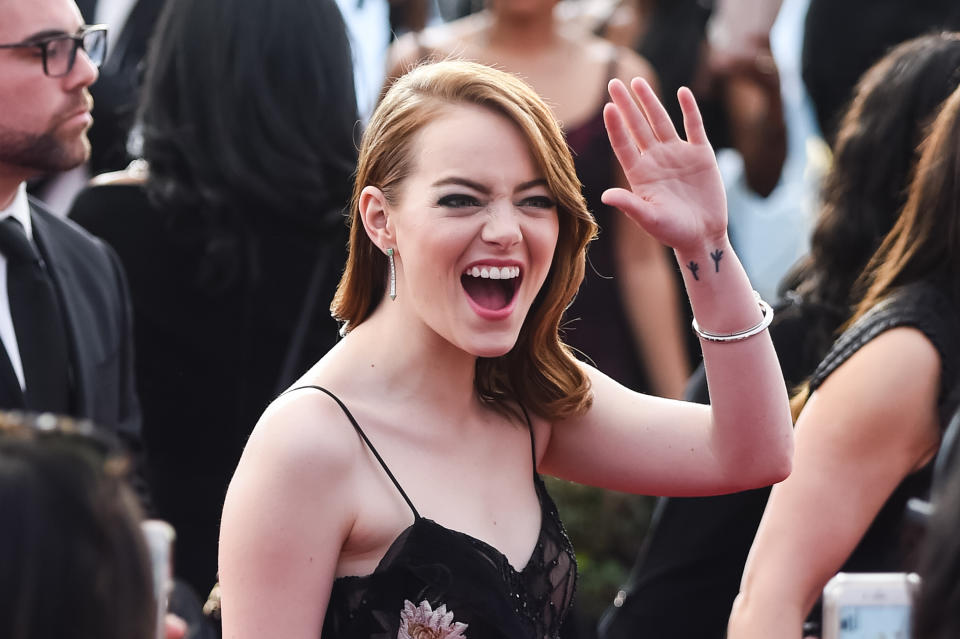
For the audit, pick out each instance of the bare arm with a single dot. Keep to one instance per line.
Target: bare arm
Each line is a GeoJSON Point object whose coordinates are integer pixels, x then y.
{"type": "Point", "coordinates": [287, 514]}
{"type": "Point", "coordinates": [872, 423]}
{"type": "Point", "coordinates": [643, 444]}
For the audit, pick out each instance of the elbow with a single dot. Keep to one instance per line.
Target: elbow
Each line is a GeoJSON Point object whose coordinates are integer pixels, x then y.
{"type": "Point", "coordinates": [774, 461]}
{"type": "Point", "coordinates": [781, 461]}
{"type": "Point", "coordinates": [764, 467]}
{"type": "Point", "coordinates": [779, 470]}
{"type": "Point", "coordinates": [778, 463]}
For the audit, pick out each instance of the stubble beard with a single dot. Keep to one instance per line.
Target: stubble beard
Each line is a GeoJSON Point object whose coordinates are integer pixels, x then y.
{"type": "Point", "coordinates": [44, 152]}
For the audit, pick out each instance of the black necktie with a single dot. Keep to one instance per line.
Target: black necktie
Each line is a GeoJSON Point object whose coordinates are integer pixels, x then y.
{"type": "Point", "coordinates": [37, 322]}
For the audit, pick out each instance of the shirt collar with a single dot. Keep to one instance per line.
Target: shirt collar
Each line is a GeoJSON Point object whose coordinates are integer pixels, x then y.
{"type": "Point", "coordinates": [19, 209]}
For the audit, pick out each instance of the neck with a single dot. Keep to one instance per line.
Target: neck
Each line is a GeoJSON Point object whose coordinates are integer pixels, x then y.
{"type": "Point", "coordinates": [407, 360]}
{"type": "Point", "coordinates": [522, 33]}
{"type": "Point", "coordinates": [9, 186]}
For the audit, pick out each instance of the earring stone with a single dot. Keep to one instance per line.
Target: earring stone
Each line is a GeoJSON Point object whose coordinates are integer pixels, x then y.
{"type": "Point", "coordinates": [393, 274]}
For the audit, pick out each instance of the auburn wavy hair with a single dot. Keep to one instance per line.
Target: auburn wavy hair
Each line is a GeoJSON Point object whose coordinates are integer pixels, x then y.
{"type": "Point", "coordinates": [539, 372]}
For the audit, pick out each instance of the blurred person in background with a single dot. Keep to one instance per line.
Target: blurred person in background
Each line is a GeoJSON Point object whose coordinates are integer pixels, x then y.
{"type": "Point", "coordinates": [872, 415]}
{"type": "Point", "coordinates": [130, 24]}
{"type": "Point", "coordinates": [64, 306]}
{"type": "Point", "coordinates": [697, 547]}
{"type": "Point", "coordinates": [937, 605]}
{"type": "Point", "coordinates": [232, 233]}
{"type": "Point", "coordinates": [75, 562]}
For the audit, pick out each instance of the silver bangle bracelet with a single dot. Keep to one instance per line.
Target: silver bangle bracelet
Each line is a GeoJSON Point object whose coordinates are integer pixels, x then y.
{"type": "Point", "coordinates": [740, 335]}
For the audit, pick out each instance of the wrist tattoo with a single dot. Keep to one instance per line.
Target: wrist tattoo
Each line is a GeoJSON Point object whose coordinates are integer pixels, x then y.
{"type": "Point", "coordinates": [694, 267]}
{"type": "Point", "coordinates": [715, 256]}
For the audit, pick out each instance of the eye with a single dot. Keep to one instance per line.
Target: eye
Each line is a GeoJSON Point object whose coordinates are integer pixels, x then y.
{"type": "Point", "coordinates": [458, 201]}
{"type": "Point", "coordinates": [58, 47]}
{"type": "Point", "coordinates": [538, 202]}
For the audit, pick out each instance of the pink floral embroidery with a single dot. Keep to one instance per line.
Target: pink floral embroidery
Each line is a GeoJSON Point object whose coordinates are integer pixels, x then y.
{"type": "Point", "coordinates": [422, 622]}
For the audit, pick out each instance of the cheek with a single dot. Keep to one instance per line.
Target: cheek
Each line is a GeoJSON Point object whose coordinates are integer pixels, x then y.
{"type": "Point", "coordinates": [543, 240]}
{"type": "Point", "coordinates": [427, 256]}
{"type": "Point", "coordinates": [23, 110]}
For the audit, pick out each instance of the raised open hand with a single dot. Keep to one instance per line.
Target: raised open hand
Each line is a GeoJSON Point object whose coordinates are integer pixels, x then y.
{"type": "Point", "coordinates": [675, 189]}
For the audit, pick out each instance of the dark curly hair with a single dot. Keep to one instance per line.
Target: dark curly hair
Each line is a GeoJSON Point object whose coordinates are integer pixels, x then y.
{"type": "Point", "coordinates": [876, 148]}
{"type": "Point", "coordinates": [248, 113]}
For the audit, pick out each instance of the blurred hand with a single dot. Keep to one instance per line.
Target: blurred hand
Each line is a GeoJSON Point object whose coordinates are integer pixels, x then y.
{"type": "Point", "coordinates": [756, 65]}
{"type": "Point", "coordinates": [176, 628]}
{"type": "Point", "coordinates": [676, 193]}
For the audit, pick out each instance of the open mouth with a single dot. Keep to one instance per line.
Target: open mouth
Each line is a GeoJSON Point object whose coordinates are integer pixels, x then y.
{"type": "Point", "coordinates": [491, 287]}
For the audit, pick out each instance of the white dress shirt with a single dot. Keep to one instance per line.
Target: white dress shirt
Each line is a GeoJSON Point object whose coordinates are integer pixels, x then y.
{"type": "Point", "coordinates": [114, 14]}
{"type": "Point", "coordinates": [19, 209]}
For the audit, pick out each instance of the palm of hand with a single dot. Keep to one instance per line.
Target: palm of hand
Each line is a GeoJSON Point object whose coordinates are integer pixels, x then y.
{"type": "Point", "coordinates": [676, 192]}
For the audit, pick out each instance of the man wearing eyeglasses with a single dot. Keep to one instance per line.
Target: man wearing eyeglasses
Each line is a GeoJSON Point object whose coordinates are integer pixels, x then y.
{"type": "Point", "coordinates": [64, 316]}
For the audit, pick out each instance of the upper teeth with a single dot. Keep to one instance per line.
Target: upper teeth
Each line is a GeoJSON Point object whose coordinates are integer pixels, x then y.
{"type": "Point", "coordinates": [493, 272]}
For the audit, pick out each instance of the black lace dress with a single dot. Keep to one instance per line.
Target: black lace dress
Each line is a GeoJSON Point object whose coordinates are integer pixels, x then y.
{"type": "Point", "coordinates": [437, 583]}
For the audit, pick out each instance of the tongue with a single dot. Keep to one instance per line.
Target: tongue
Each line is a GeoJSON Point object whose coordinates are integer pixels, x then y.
{"type": "Point", "coordinates": [490, 294]}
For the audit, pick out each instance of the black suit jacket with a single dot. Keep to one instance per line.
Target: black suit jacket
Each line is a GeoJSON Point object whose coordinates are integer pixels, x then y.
{"type": "Point", "coordinates": [93, 296]}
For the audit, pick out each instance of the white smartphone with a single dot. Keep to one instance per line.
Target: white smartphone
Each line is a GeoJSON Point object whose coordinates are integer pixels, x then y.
{"type": "Point", "coordinates": [869, 605]}
{"type": "Point", "coordinates": [160, 535]}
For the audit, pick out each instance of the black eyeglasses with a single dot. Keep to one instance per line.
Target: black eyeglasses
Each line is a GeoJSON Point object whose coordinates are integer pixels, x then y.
{"type": "Point", "coordinates": [60, 51]}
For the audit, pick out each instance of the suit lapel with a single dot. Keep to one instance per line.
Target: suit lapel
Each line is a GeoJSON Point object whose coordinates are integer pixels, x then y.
{"type": "Point", "coordinates": [67, 290]}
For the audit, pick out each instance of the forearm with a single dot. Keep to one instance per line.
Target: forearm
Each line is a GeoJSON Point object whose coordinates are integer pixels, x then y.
{"type": "Point", "coordinates": [754, 619]}
{"type": "Point", "coordinates": [753, 436]}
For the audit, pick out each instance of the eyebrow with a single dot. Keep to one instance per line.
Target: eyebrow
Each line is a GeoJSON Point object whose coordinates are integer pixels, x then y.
{"type": "Point", "coordinates": [476, 186]}
{"type": "Point", "coordinates": [50, 33]}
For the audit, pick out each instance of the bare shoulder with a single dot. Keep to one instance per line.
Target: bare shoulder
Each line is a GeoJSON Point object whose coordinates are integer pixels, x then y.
{"type": "Point", "coordinates": [434, 43]}
{"type": "Point", "coordinates": [306, 431]}
{"type": "Point", "coordinates": [287, 515]}
{"type": "Point", "coordinates": [885, 395]}
{"type": "Point", "coordinates": [304, 449]}
{"type": "Point", "coordinates": [899, 358]}
{"type": "Point", "coordinates": [629, 63]}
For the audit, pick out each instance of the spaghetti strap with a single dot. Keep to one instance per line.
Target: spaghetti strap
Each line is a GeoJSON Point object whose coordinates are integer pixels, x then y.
{"type": "Point", "coordinates": [533, 443]}
{"type": "Point", "coordinates": [356, 426]}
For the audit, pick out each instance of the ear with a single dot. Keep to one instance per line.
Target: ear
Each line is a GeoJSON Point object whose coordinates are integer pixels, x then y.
{"type": "Point", "coordinates": [376, 217]}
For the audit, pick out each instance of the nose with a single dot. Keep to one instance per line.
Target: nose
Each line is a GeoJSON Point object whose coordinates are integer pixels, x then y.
{"type": "Point", "coordinates": [502, 226]}
{"type": "Point", "coordinates": [84, 72]}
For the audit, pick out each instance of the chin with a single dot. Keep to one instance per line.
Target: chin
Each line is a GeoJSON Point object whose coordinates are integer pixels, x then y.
{"type": "Point", "coordinates": [491, 348]}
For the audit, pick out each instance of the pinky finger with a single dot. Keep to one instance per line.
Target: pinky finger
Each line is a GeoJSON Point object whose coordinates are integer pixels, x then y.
{"type": "Point", "coordinates": [692, 120]}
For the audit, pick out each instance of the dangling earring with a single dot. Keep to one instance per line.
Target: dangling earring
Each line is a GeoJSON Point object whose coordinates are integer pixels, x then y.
{"type": "Point", "coordinates": [393, 274]}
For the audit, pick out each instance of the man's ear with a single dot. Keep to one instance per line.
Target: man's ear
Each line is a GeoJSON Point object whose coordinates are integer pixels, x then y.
{"type": "Point", "coordinates": [376, 218]}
